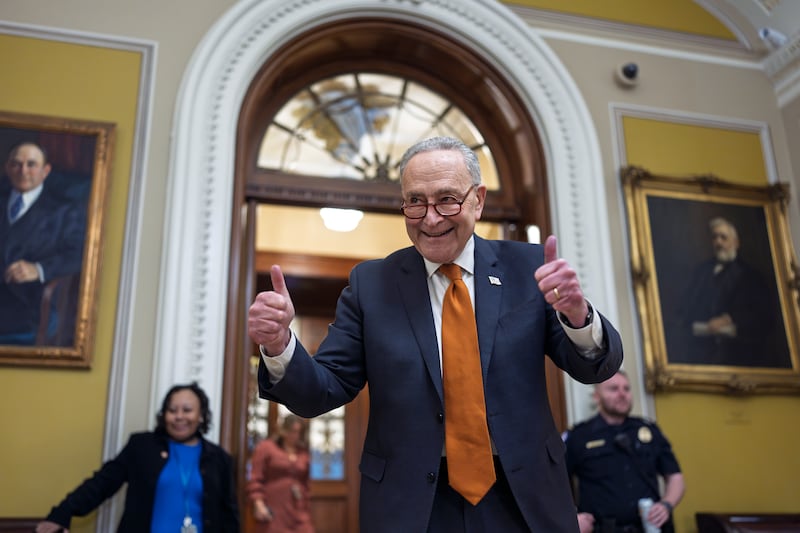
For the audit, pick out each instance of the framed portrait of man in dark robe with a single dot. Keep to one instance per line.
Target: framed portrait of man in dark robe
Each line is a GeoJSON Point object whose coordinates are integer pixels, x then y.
{"type": "Point", "coordinates": [715, 277]}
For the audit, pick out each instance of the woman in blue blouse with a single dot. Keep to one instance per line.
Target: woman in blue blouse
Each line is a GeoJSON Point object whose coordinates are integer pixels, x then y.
{"type": "Point", "coordinates": [178, 482]}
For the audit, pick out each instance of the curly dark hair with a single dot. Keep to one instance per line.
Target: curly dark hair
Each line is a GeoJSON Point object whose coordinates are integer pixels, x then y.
{"type": "Point", "coordinates": [205, 412]}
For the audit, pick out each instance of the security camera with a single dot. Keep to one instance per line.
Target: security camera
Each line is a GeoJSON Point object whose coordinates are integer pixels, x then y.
{"type": "Point", "coordinates": [773, 37]}
{"type": "Point", "coordinates": [627, 74]}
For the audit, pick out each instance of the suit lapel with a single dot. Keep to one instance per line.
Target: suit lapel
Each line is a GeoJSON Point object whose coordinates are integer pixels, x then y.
{"type": "Point", "coordinates": [413, 288]}
{"type": "Point", "coordinates": [488, 295]}
{"type": "Point", "coordinates": [4, 210]}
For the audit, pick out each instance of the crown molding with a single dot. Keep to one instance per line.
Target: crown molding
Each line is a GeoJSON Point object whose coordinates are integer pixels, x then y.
{"type": "Point", "coordinates": [783, 68]}
{"type": "Point", "coordinates": [610, 31]}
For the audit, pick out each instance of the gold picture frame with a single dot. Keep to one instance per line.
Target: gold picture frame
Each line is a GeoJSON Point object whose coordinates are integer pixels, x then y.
{"type": "Point", "coordinates": [698, 333]}
{"type": "Point", "coordinates": [61, 232]}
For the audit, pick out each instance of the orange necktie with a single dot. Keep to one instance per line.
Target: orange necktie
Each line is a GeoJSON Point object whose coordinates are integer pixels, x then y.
{"type": "Point", "coordinates": [470, 466]}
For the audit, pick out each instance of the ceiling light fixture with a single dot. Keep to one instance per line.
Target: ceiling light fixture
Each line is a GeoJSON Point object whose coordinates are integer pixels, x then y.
{"type": "Point", "coordinates": [343, 220]}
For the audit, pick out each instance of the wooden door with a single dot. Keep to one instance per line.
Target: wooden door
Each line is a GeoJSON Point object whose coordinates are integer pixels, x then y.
{"type": "Point", "coordinates": [334, 503]}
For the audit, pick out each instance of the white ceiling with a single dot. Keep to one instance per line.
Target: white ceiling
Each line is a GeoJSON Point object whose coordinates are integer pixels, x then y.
{"type": "Point", "coordinates": [746, 17]}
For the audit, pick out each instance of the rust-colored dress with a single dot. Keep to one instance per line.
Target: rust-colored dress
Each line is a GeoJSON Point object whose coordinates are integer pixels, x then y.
{"type": "Point", "coordinates": [282, 482]}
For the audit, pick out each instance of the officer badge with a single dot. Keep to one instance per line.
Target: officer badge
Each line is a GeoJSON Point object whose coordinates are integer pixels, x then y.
{"type": "Point", "coordinates": [644, 435]}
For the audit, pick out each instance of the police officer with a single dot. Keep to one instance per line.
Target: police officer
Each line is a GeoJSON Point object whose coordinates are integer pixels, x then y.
{"type": "Point", "coordinates": [615, 460]}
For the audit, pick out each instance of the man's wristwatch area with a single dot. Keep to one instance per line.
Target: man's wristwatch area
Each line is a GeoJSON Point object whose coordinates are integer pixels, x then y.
{"type": "Point", "coordinates": [589, 317]}
{"type": "Point", "coordinates": [667, 505]}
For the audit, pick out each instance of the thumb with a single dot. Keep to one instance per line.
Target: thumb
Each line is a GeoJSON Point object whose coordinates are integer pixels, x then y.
{"type": "Point", "coordinates": [550, 249]}
{"type": "Point", "coordinates": [278, 281]}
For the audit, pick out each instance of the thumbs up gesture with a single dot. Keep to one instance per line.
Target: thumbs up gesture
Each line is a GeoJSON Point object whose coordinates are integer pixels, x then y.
{"type": "Point", "coordinates": [560, 286]}
{"type": "Point", "coordinates": [270, 314]}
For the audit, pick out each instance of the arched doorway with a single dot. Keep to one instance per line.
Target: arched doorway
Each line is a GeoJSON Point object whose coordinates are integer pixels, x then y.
{"type": "Point", "coordinates": [324, 95]}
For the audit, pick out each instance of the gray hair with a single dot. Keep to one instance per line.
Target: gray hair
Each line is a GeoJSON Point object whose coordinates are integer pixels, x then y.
{"type": "Point", "coordinates": [719, 221]}
{"type": "Point", "coordinates": [445, 143]}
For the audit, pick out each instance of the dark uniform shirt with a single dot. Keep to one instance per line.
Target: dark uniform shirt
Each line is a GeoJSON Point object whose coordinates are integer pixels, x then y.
{"type": "Point", "coordinates": [604, 458]}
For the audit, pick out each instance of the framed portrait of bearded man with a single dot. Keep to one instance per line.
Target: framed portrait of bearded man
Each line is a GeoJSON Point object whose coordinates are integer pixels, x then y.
{"type": "Point", "coordinates": [716, 283]}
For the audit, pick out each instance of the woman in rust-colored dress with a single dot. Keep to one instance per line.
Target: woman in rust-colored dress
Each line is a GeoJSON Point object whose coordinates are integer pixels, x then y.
{"type": "Point", "coordinates": [278, 485]}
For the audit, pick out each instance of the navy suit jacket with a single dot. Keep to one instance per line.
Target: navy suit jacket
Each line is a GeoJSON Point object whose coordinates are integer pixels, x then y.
{"type": "Point", "coordinates": [52, 233]}
{"type": "Point", "coordinates": [384, 335]}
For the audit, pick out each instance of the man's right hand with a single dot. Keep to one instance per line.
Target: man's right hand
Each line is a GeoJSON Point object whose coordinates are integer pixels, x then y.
{"type": "Point", "coordinates": [21, 271]}
{"type": "Point", "coordinates": [586, 522]}
{"type": "Point", "coordinates": [270, 315]}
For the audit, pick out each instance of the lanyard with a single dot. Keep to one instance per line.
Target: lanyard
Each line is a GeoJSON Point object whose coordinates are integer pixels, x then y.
{"type": "Point", "coordinates": [186, 476]}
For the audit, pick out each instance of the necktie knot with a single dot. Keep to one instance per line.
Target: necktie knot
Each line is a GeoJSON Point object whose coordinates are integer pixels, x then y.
{"type": "Point", "coordinates": [15, 208]}
{"type": "Point", "coordinates": [451, 270]}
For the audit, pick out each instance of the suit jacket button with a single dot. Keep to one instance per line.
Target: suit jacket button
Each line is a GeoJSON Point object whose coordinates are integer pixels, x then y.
{"type": "Point", "coordinates": [431, 477]}
{"type": "Point", "coordinates": [440, 416]}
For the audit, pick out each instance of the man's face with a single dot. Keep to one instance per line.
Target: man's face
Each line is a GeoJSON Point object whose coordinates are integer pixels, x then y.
{"type": "Point", "coordinates": [613, 396]}
{"type": "Point", "coordinates": [725, 242]}
{"type": "Point", "coordinates": [438, 176]}
{"type": "Point", "coordinates": [26, 168]}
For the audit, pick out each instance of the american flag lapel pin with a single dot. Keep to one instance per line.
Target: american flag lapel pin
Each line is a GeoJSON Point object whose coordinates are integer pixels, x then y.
{"type": "Point", "coordinates": [494, 280]}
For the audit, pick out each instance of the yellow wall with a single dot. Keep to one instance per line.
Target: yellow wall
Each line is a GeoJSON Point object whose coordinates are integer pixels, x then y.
{"type": "Point", "coordinates": [53, 419]}
{"type": "Point", "coordinates": [676, 15]}
{"type": "Point", "coordinates": [738, 454]}
{"type": "Point", "coordinates": [682, 150]}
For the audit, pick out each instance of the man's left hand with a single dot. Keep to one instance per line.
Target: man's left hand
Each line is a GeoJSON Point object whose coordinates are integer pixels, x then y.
{"type": "Point", "coordinates": [559, 283]}
{"type": "Point", "coordinates": [658, 514]}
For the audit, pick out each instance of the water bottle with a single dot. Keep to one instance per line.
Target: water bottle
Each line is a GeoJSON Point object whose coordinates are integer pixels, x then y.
{"type": "Point", "coordinates": [644, 508]}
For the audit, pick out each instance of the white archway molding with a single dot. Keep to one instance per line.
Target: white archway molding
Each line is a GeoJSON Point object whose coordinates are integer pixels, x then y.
{"type": "Point", "coordinates": [194, 278]}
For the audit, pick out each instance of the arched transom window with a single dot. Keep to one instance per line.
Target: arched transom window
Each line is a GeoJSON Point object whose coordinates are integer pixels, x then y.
{"type": "Point", "coordinates": [358, 125]}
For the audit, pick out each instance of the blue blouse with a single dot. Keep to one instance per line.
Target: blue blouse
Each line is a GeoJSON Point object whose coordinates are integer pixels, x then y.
{"type": "Point", "coordinates": [179, 492]}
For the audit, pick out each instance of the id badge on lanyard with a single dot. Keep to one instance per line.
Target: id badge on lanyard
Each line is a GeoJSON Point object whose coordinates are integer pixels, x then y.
{"type": "Point", "coordinates": [188, 527]}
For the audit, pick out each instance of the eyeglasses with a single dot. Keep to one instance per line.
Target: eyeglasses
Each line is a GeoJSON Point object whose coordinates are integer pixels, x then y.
{"type": "Point", "coordinates": [446, 207]}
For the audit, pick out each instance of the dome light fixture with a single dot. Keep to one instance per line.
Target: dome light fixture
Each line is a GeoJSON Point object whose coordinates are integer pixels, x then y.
{"type": "Point", "coordinates": [343, 220]}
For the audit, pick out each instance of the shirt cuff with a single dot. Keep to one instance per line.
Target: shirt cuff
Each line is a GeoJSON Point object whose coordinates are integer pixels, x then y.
{"type": "Point", "coordinates": [276, 366]}
{"type": "Point", "coordinates": [589, 339]}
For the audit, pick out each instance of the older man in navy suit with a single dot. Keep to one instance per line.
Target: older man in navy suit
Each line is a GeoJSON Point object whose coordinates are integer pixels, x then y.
{"type": "Point", "coordinates": [41, 238]}
{"type": "Point", "coordinates": [387, 333]}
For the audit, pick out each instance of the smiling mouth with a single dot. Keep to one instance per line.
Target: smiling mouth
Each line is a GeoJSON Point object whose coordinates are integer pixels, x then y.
{"type": "Point", "coordinates": [442, 234]}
